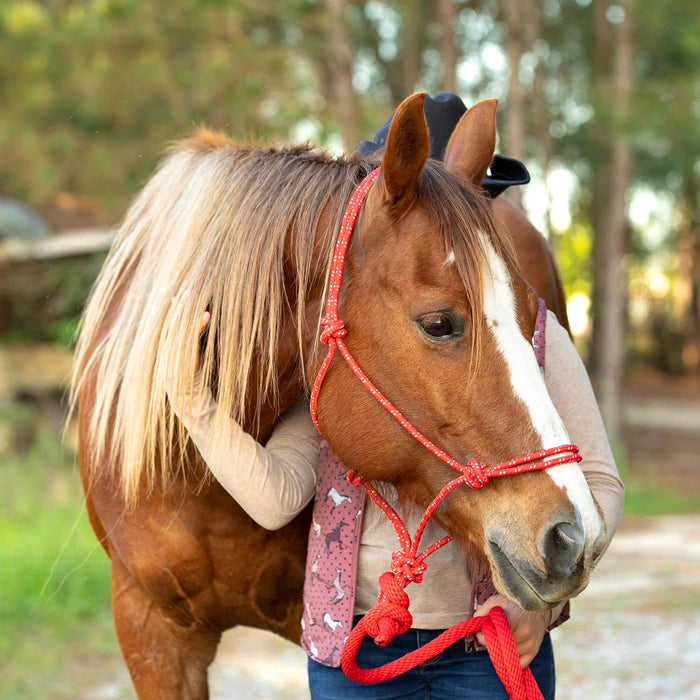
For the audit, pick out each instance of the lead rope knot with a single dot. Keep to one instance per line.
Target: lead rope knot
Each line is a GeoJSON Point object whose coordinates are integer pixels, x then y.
{"type": "Point", "coordinates": [390, 616]}
{"type": "Point", "coordinates": [406, 565]}
{"type": "Point", "coordinates": [476, 474]}
{"type": "Point", "coordinates": [332, 328]}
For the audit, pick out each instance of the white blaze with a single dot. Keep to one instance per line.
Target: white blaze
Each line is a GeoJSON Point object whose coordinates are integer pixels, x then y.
{"type": "Point", "coordinates": [529, 386]}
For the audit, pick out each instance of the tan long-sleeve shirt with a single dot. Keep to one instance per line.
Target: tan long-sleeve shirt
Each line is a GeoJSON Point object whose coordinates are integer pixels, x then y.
{"type": "Point", "coordinates": [273, 483]}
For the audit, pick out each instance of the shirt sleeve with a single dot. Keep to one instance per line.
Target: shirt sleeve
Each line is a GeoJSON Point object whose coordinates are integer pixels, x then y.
{"type": "Point", "coordinates": [272, 483]}
{"type": "Point", "coordinates": [570, 389]}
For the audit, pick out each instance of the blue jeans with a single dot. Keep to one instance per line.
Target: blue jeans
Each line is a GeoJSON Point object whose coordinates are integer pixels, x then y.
{"type": "Point", "coordinates": [452, 674]}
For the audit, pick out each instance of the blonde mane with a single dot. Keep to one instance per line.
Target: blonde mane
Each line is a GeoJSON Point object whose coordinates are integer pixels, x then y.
{"type": "Point", "coordinates": [221, 226]}
{"type": "Point", "coordinates": [212, 229]}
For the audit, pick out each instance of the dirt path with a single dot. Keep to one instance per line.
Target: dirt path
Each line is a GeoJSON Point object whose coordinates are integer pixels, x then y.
{"type": "Point", "coordinates": [634, 633]}
{"type": "Point", "coordinates": [660, 413]}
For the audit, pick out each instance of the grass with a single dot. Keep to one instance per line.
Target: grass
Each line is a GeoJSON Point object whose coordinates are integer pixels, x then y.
{"type": "Point", "coordinates": [657, 498]}
{"type": "Point", "coordinates": [646, 497]}
{"type": "Point", "coordinates": [56, 632]}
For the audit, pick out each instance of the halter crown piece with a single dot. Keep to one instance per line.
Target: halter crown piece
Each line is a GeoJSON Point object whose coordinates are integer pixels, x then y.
{"type": "Point", "coordinates": [391, 615]}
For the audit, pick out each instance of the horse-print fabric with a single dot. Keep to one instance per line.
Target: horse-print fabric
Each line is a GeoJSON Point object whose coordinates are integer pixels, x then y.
{"type": "Point", "coordinates": [334, 540]}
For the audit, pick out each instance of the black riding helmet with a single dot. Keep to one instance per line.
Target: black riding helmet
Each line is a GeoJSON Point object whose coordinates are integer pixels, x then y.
{"type": "Point", "coordinates": [442, 113]}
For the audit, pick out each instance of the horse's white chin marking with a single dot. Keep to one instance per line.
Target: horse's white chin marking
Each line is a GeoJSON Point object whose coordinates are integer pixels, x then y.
{"type": "Point", "coordinates": [528, 385]}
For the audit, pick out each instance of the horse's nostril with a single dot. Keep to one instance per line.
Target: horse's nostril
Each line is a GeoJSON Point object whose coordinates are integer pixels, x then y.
{"type": "Point", "coordinates": [561, 547]}
{"type": "Point", "coordinates": [567, 534]}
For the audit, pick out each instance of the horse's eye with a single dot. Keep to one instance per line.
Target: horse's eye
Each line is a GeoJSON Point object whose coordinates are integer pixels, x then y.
{"type": "Point", "coordinates": [437, 325]}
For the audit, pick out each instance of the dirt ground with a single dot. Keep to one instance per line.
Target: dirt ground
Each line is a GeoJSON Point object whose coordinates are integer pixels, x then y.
{"type": "Point", "coordinates": [634, 633]}
{"type": "Point", "coordinates": [661, 416]}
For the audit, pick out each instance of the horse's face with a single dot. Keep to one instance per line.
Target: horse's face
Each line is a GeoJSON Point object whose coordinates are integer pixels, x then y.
{"type": "Point", "coordinates": [411, 323]}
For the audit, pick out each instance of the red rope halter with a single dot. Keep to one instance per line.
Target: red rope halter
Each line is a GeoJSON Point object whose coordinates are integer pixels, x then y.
{"type": "Point", "coordinates": [391, 615]}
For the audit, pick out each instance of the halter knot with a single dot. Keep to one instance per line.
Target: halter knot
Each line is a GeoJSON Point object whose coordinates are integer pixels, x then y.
{"type": "Point", "coordinates": [476, 474]}
{"type": "Point", "coordinates": [354, 479]}
{"type": "Point", "coordinates": [390, 616]}
{"type": "Point", "coordinates": [332, 329]}
{"type": "Point", "coordinates": [406, 565]}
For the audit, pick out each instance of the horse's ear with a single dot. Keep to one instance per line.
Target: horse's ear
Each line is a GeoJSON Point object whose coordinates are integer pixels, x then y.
{"type": "Point", "coordinates": [470, 149]}
{"type": "Point", "coordinates": [407, 149]}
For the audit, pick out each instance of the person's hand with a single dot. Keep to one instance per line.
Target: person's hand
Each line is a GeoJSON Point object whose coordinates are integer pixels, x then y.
{"type": "Point", "coordinates": [528, 627]}
{"type": "Point", "coordinates": [203, 323]}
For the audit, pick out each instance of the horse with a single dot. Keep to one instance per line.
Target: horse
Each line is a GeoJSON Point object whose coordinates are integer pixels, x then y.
{"type": "Point", "coordinates": [440, 313]}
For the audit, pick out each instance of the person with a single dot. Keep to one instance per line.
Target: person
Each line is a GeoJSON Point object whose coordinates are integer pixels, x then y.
{"type": "Point", "coordinates": [274, 482]}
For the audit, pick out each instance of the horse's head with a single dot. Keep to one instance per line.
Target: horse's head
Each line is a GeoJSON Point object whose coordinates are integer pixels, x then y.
{"type": "Point", "coordinates": [440, 319]}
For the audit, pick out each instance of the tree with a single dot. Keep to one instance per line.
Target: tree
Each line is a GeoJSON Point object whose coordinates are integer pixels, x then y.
{"type": "Point", "coordinates": [447, 16]}
{"type": "Point", "coordinates": [613, 234]}
{"type": "Point", "coordinates": [513, 18]}
{"type": "Point", "coordinates": [338, 68]}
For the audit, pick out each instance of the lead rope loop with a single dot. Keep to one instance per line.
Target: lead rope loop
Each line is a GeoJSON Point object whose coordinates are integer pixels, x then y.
{"type": "Point", "coordinates": [519, 683]}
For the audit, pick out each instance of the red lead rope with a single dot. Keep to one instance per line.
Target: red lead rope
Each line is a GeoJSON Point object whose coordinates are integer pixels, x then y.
{"type": "Point", "coordinates": [520, 684]}
{"type": "Point", "coordinates": [391, 615]}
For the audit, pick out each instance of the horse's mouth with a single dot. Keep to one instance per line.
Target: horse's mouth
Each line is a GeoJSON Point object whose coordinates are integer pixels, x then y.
{"type": "Point", "coordinates": [516, 582]}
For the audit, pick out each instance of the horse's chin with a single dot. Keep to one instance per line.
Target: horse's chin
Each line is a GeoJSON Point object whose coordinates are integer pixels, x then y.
{"type": "Point", "coordinates": [527, 586]}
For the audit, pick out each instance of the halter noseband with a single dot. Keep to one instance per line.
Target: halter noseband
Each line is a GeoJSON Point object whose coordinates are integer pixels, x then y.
{"type": "Point", "coordinates": [391, 616]}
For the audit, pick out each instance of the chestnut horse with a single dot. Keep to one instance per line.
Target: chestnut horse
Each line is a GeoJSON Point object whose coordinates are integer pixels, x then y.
{"type": "Point", "coordinates": [440, 317]}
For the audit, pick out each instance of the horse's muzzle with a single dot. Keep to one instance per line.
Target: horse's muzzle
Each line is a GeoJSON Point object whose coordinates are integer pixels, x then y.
{"type": "Point", "coordinates": [561, 569]}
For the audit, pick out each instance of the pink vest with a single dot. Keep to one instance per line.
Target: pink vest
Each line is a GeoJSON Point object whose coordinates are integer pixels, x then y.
{"type": "Point", "coordinates": [334, 543]}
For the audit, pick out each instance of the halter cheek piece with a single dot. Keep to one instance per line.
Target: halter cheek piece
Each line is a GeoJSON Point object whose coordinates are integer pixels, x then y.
{"type": "Point", "coordinates": [391, 615]}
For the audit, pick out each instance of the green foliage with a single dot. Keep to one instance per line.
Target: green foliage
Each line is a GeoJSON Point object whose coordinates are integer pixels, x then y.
{"type": "Point", "coordinates": [92, 91]}
{"type": "Point", "coordinates": [643, 498]}
{"type": "Point", "coordinates": [573, 255]}
{"type": "Point", "coordinates": [54, 576]}
{"type": "Point", "coordinates": [52, 566]}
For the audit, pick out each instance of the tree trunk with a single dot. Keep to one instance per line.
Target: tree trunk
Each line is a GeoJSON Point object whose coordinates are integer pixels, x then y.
{"type": "Point", "coordinates": [540, 117]}
{"type": "Point", "coordinates": [614, 236]}
{"type": "Point", "coordinates": [412, 45]}
{"type": "Point", "coordinates": [599, 204]}
{"type": "Point", "coordinates": [689, 248]}
{"type": "Point", "coordinates": [339, 65]}
{"type": "Point", "coordinates": [447, 16]}
{"type": "Point", "coordinates": [598, 216]}
{"type": "Point", "coordinates": [515, 108]}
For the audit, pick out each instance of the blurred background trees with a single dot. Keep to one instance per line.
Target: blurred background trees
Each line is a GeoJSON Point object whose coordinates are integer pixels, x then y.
{"type": "Point", "coordinates": [600, 99]}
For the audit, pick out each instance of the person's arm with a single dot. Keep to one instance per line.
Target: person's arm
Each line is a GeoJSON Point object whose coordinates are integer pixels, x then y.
{"type": "Point", "coordinates": [273, 483]}
{"type": "Point", "coordinates": [570, 389]}
{"type": "Point", "coordinates": [571, 392]}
